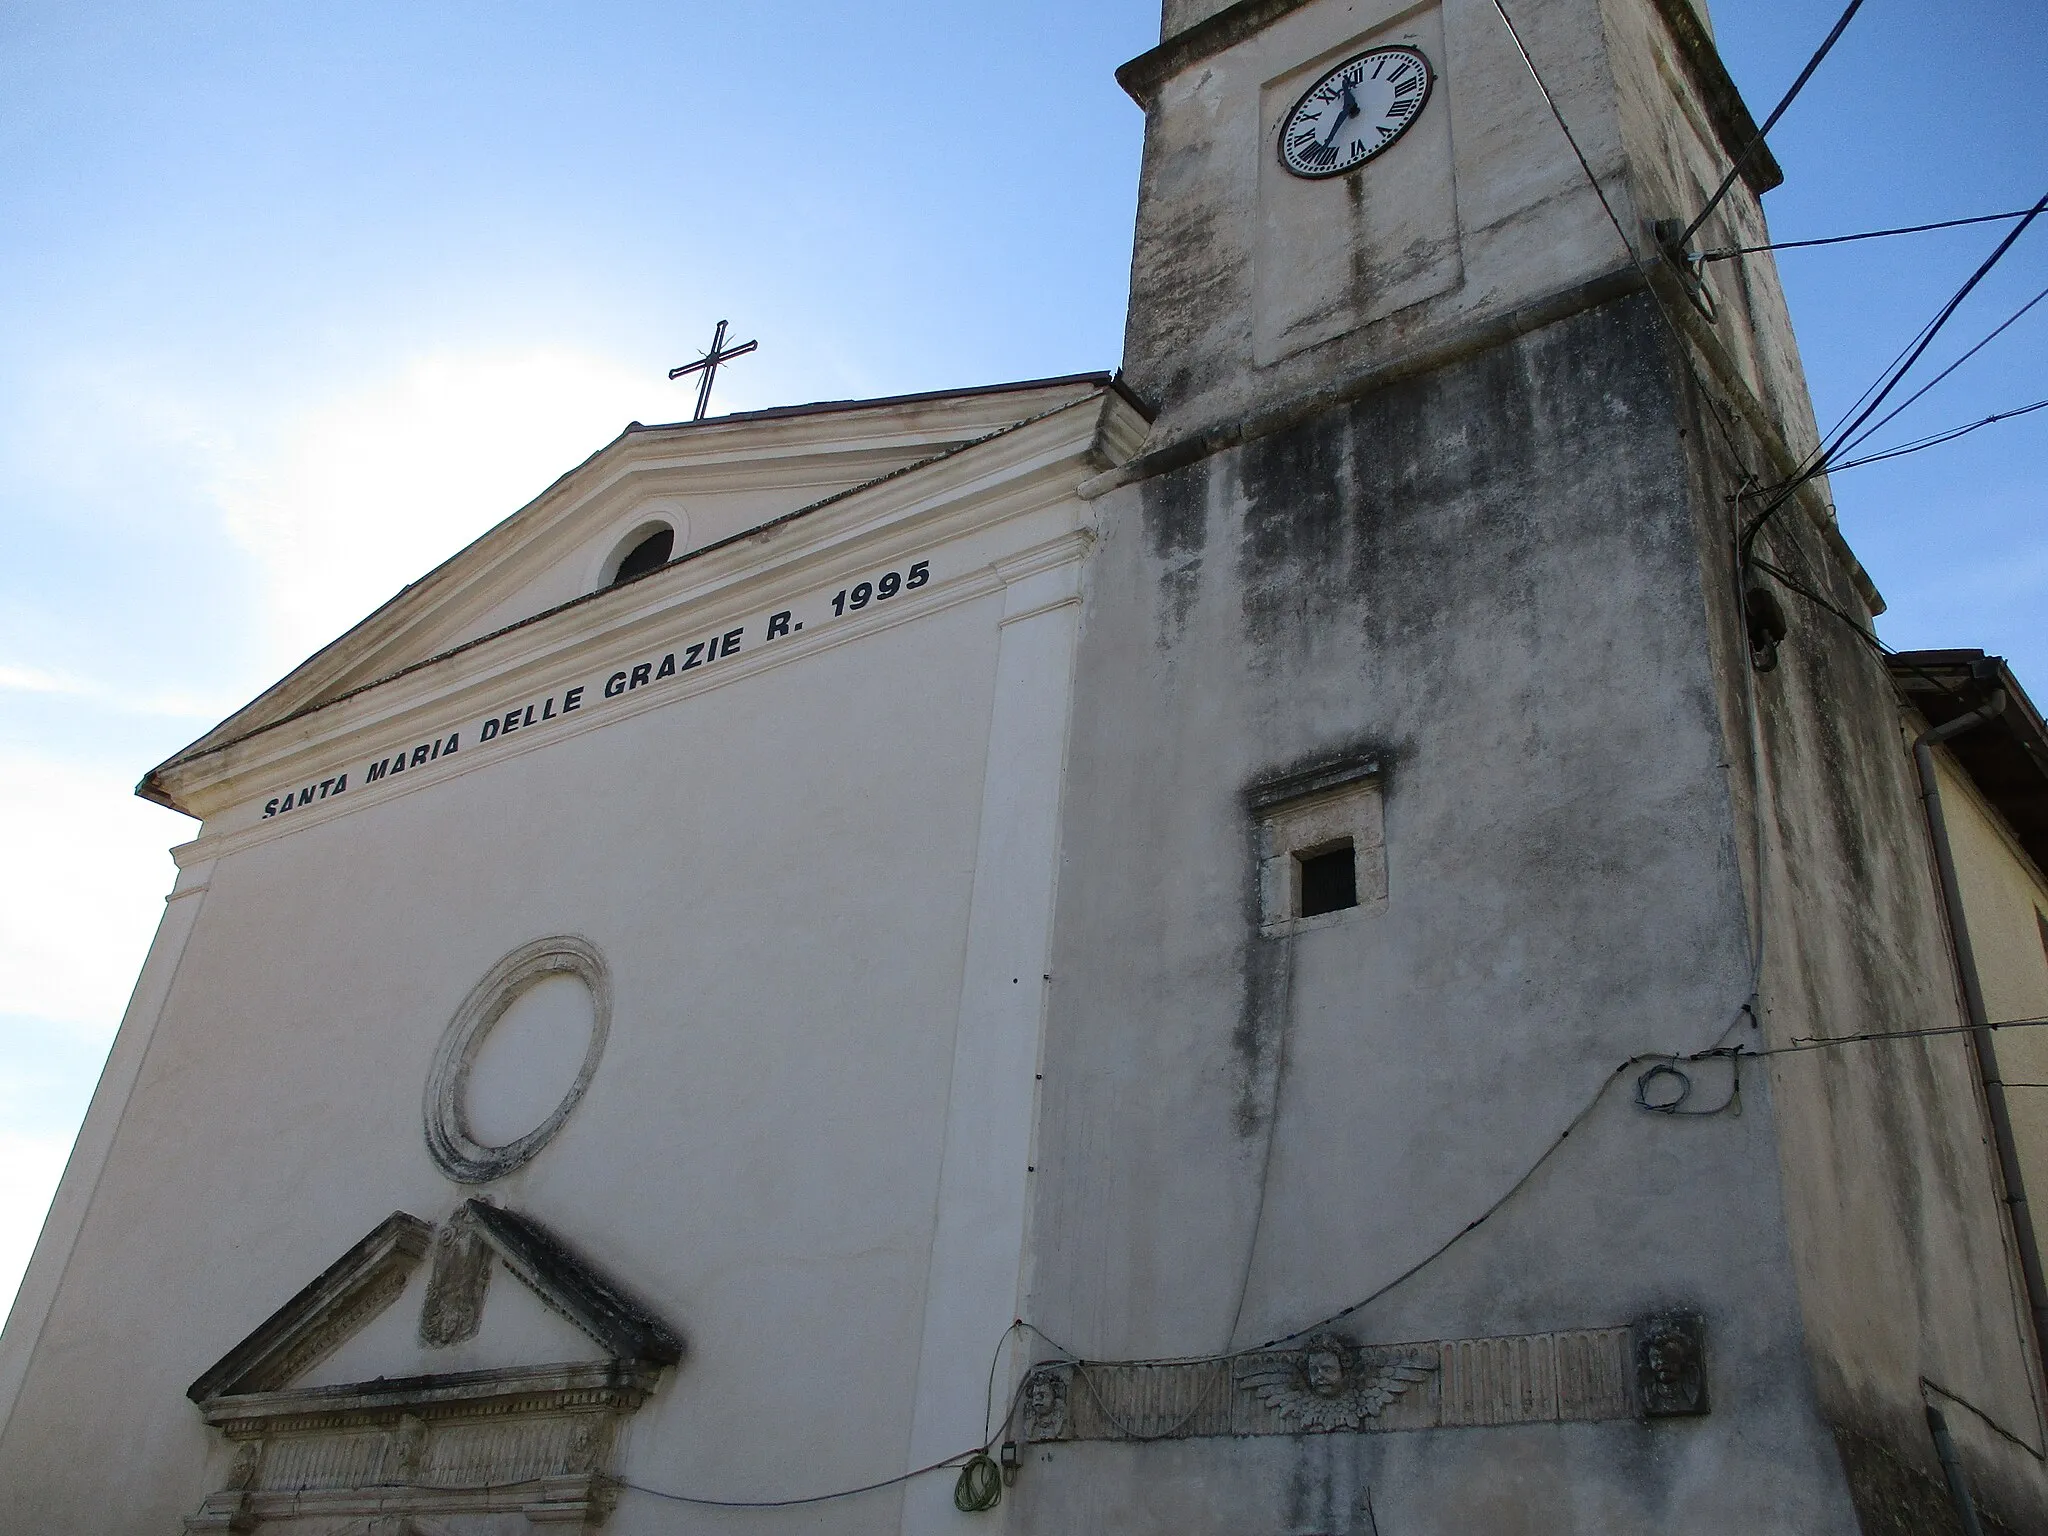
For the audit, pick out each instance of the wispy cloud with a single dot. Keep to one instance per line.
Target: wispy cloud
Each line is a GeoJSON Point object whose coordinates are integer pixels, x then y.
{"type": "Point", "coordinates": [169, 704]}
{"type": "Point", "coordinates": [88, 876]}
{"type": "Point", "coordinates": [33, 680]}
{"type": "Point", "coordinates": [351, 499]}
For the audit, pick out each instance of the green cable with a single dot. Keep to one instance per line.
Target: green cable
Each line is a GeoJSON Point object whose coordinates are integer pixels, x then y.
{"type": "Point", "coordinates": [980, 1488]}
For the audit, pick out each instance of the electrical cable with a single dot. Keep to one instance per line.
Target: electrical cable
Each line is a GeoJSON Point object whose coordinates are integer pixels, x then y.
{"type": "Point", "coordinates": [967, 1461]}
{"type": "Point", "coordinates": [1732, 252]}
{"type": "Point", "coordinates": [1897, 410]}
{"type": "Point", "coordinates": [1890, 380]}
{"type": "Point", "coordinates": [1651, 1059]}
{"type": "Point", "coordinates": [1911, 354]}
{"type": "Point", "coordinates": [1939, 438]}
{"type": "Point", "coordinates": [976, 1489]}
{"type": "Point", "coordinates": [1793, 584]}
{"type": "Point", "coordinates": [1647, 1059]}
{"type": "Point", "coordinates": [1726, 428]}
{"type": "Point", "coordinates": [818, 1498]}
{"type": "Point", "coordinates": [1569, 138]}
{"type": "Point", "coordinates": [1628, 245]}
{"type": "Point", "coordinates": [1828, 1042]}
{"type": "Point", "coordinates": [1742, 160]}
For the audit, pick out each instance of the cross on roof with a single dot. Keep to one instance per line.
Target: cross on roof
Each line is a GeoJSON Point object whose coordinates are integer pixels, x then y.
{"type": "Point", "coordinates": [708, 365]}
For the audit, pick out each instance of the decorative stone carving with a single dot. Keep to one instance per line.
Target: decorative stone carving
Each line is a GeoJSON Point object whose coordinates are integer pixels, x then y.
{"type": "Point", "coordinates": [1331, 1383]}
{"type": "Point", "coordinates": [1045, 1405]}
{"type": "Point", "coordinates": [458, 1153]}
{"type": "Point", "coordinates": [441, 1454]}
{"type": "Point", "coordinates": [457, 1284]}
{"type": "Point", "coordinates": [313, 1324]}
{"type": "Point", "coordinates": [242, 1473]}
{"type": "Point", "coordinates": [404, 1452]}
{"type": "Point", "coordinates": [1671, 1364]}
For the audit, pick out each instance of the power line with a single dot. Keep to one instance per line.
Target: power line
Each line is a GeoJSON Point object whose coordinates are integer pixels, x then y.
{"type": "Point", "coordinates": [1635, 258]}
{"type": "Point", "coordinates": [1934, 327]}
{"type": "Point", "coordinates": [1749, 152]}
{"type": "Point", "coordinates": [2011, 320]}
{"type": "Point", "coordinates": [1732, 252]}
{"type": "Point", "coordinates": [1856, 626]}
{"type": "Point", "coordinates": [1938, 439]}
{"type": "Point", "coordinates": [1875, 1037]}
{"type": "Point", "coordinates": [1889, 381]}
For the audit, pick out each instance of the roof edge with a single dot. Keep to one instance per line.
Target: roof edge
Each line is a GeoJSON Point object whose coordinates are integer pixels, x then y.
{"type": "Point", "coordinates": [152, 788]}
{"type": "Point", "coordinates": [1092, 380]}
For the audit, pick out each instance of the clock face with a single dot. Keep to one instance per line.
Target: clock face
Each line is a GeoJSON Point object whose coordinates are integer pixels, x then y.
{"type": "Point", "coordinates": [1355, 111]}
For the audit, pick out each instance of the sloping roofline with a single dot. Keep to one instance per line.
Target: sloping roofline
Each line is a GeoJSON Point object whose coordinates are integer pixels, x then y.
{"type": "Point", "coordinates": [239, 726]}
{"type": "Point", "coordinates": [1097, 379]}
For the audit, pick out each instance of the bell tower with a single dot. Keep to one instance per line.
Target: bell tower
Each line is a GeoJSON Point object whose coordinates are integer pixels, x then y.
{"type": "Point", "coordinates": [1427, 759]}
{"type": "Point", "coordinates": [1291, 249]}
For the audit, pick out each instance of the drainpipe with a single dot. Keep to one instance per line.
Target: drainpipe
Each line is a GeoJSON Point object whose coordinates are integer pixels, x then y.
{"type": "Point", "coordinates": [1981, 1035]}
{"type": "Point", "coordinates": [1952, 1470]}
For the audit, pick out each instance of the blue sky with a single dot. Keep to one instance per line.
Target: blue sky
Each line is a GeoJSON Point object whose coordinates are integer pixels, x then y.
{"type": "Point", "coordinates": [298, 299]}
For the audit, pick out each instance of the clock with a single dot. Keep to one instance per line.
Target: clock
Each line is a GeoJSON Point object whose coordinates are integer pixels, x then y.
{"type": "Point", "coordinates": [1355, 111]}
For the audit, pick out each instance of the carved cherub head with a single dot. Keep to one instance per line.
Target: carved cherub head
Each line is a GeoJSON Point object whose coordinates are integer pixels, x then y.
{"type": "Point", "coordinates": [1674, 1365]}
{"type": "Point", "coordinates": [1671, 1366]}
{"type": "Point", "coordinates": [1045, 1406]}
{"type": "Point", "coordinates": [1322, 1363]}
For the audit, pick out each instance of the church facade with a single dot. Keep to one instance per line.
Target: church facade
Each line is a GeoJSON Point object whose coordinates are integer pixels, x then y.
{"type": "Point", "coordinates": [1237, 946]}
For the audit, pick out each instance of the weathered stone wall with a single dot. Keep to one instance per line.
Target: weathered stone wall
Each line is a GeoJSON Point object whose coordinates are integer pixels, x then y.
{"type": "Point", "coordinates": [1678, 151]}
{"type": "Point", "coordinates": [1908, 1287]}
{"type": "Point", "coordinates": [1490, 578]}
{"type": "Point", "coordinates": [1250, 287]}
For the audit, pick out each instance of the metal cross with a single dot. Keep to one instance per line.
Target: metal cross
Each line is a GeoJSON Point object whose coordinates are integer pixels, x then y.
{"type": "Point", "coordinates": [708, 365]}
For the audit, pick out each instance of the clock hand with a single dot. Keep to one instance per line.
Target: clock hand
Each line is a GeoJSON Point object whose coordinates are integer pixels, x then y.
{"type": "Point", "coordinates": [1344, 115]}
{"type": "Point", "coordinates": [1348, 111]}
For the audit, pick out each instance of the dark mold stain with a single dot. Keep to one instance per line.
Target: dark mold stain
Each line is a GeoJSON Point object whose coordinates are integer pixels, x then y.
{"type": "Point", "coordinates": [1175, 511]}
{"type": "Point", "coordinates": [1261, 1033]}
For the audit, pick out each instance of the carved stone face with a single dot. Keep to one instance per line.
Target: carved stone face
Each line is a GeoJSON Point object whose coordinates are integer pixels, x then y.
{"type": "Point", "coordinates": [1671, 1365]}
{"type": "Point", "coordinates": [1045, 1407]}
{"type": "Point", "coordinates": [1671, 1362]}
{"type": "Point", "coordinates": [1324, 1371]}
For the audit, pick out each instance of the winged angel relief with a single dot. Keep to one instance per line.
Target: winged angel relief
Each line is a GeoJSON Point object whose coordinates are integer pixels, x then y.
{"type": "Point", "coordinates": [1331, 1383]}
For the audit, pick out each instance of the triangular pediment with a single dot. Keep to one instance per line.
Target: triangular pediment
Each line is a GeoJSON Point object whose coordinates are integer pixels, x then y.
{"type": "Point", "coordinates": [711, 483]}
{"type": "Point", "coordinates": [490, 1291]}
{"type": "Point", "coordinates": [505, 1326]}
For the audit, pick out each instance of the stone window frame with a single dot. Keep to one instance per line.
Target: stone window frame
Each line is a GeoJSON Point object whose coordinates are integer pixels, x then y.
{"type": "Point", "coordinates": [1306, 813]}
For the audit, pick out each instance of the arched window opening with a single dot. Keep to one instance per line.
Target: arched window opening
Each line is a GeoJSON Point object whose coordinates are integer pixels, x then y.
{"type": "Point", "coordinates": [649, 554]}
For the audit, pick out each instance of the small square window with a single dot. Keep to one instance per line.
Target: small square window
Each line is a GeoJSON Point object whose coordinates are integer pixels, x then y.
{"type": "Point", "coordinates": [1329, 880]}
{"type": "Point", "coordinates": [1322, 847]}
